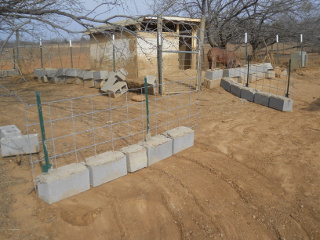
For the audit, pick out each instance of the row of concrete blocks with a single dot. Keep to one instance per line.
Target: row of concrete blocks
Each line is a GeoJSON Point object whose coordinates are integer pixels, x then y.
{"type": "Point", "coordinates": [109, 82]}
{"type": "Point", "coordinates": [256, 72]}
{"type": "Point", "coordinates": [14, 143]}
{"type": "Point", "coordinates": [69, 180]}
{"type": "Point", "coordinates": [9, 73]}
{"type": "Point", "coordinates": [256, 96]}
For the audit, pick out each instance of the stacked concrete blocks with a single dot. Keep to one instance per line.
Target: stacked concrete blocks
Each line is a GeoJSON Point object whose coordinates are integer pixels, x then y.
{"type": "Point", "coordinates": [63, 182]}
{"type": "Point", "coordinates": [9, 73]}
{"type": "Point", "coordinates": [182, 137]}
{"type": "Point", "coordinates": [17, 145]}
{"type": "Point", "coordinates": [280, 103]}
{"type": "Point", "coordinates": [122, 74]}
{"type": "Point", "coordinates": [158, 148]}
{"type": "Point", "coordinates": [116, 84]}
{"type": "Point", "coordinates": [136, 157]}
{"type": "Point", "coordinates": [106, 167]}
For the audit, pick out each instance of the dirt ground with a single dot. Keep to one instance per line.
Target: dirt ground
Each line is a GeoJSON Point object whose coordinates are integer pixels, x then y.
{"type": "Point", "coordinates": [253, 173]}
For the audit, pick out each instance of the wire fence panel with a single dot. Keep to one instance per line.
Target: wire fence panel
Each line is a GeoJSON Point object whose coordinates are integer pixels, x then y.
{"type": "Point", "coordinates": [81, 127]}
{"type": "Point", "coordinates": [179, 56]}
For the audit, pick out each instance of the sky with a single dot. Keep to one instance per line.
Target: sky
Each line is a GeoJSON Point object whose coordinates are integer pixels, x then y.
{"type": "Point", "coordinates": [131, 8]}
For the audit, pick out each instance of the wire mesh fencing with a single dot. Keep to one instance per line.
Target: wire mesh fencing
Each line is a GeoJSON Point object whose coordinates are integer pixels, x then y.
{"type": "Point", "coordinates": [81, 127]}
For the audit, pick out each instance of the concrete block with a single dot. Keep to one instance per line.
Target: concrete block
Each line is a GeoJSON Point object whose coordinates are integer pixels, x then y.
{"type": "Point", "coordinates": [158, 148]}
{"type": "Point", "coordinates": [99, 75]}
{"type": "Point", "coordinates": [262, 98]}
{"type": "Point", "coordinates": [215, 74]}
{"type": "Point", "coordinates": [86, 75]}
{"type": "Point", "coordinates": [234, 72]}
{"type": "Point", "coordinates": [12, 72]}
{"type": "Point", "coordinates": [43, 79]}
{"type": "Point", "coordinates": [97, 83]}
{"type": "Point", "coordinates": [225, 73]}
{"type": "Point", "coordinates": [183, 138]}
{"type": "Point", "coordinates": [50, 73]}
{"type": "Point", "coordinates": [248, 93]}
{"type": "Point", "coordinates": [18, 145]}
{"type": "Point", "coordinates": [70, 80]}
{"type": "Point", "coordinates": [152, 84]}
{"type": "Point", "coordinates": [3, 73]}
{"type": "Point", "coordinates": [63, 182]}
{"type": "Point", "coordinates": [39, 72]}
{"type": "Point", "coordinates": [115, 90]}
{"type": "Point", "coordinates": [281, 103]}
{"type": "Point", "coordinates": [270, 74]}
{"type": "Point", "coordinates": [235, 89]}
{"type": "Point", "coordinates": [212, 83]}
{"type": "Point", "coordinates": [225, 83]}
{"type": "Point", "coordinates": [136, 157]}
{"type": "Point", "coordinates": [54, 80]}
{"type": "Point", "coordinates": [88, 83]}
{"type": "Point", "coordinates": [107, 84]}
{"type": "Point", "coordinates": [268, 66]}
{"type": "Point", "coordinates": [106, 167]}
{"type": "Point", "coordinates": [79, 81]}
{"type": "Point", "coordinates": [71, 72]}
{"type": "Point", "coordinates": [152, 80]}
{"type": "Point", "coordinates": [9, 131]}
{"type": "Point", "coordinates": [61, 72]}
{"type": "Point", "coordinates": [122, 74]}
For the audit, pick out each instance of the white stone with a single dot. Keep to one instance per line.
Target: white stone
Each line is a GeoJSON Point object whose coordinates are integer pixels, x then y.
{"type": "Point", "coordinates": [18, 145]}
{"type": "Point", "coordinates": [63, 182]}
{"type": "Point", "coordinates": [183, 138]}
{"type": "Point", "coordinates": [106, 167]}
{"type": "Point", "coordinates": [136, 157]}
{"type": "Point", "coordinates": [158, 148]}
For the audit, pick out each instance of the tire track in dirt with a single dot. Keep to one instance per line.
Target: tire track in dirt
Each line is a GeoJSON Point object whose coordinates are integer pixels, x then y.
{"type": "Point", "coordinates": [166, 203]}
{"type": "Point", "coordinates": [193, 197]}
{"type": "Point", "coordinates": [124, 232]}
{"type": "Point", "coordinates": [242, 194]}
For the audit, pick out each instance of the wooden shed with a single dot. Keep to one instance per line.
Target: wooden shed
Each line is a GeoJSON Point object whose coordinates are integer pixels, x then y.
{"type": "Point", "coordinates": [132, 44]}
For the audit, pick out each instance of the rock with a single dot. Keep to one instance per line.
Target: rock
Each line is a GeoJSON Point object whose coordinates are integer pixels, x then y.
{"type": "Point", "coordinates": [138, 98]}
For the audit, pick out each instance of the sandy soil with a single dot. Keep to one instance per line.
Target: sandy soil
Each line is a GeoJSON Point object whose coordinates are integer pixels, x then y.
{"type": "Point", "coordinates": [253, 173]}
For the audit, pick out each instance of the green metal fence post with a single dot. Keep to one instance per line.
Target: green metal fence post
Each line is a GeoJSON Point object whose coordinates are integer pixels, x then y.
{"type": "Point", "coordinates": [47, 166]}
{"type": "Point", "coordinates": [147, 104]}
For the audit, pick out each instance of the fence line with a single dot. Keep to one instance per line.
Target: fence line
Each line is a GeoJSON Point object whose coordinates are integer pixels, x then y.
{"type": "Point", "coordinates": [81, 127]}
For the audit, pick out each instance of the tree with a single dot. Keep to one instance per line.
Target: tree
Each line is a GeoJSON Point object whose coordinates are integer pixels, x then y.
{"type": "Point", "coordinates": [228, 20]}
{"type": "Point", "coordinates": [31, 15]}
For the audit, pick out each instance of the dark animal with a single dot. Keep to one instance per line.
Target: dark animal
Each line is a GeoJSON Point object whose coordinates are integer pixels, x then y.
{"type": "Point", "coordinates": [225, 57]}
